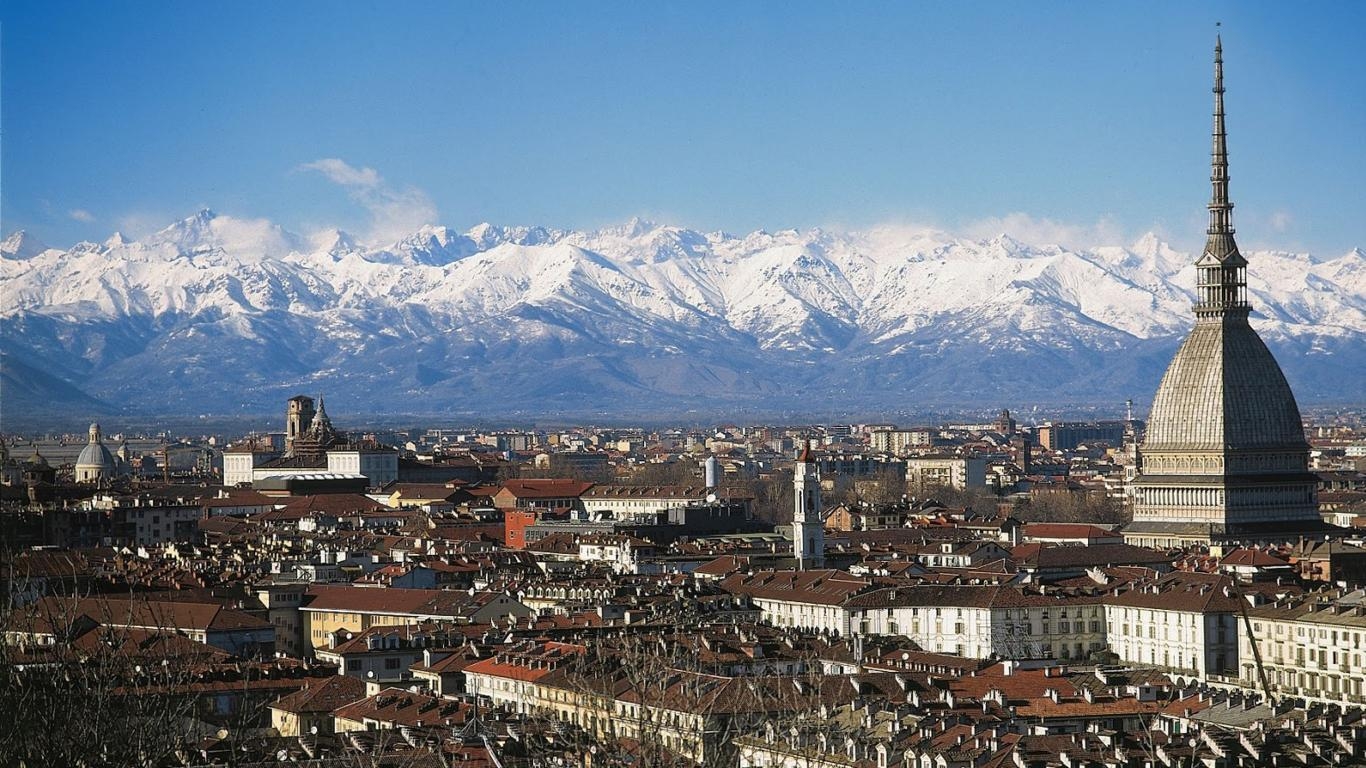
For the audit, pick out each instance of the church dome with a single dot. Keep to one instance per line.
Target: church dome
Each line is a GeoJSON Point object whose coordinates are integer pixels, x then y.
{"type": "Point", "coordinates": [95, 461]}
{"type": "Point", "coordinates": [95, 455]}
{"type": "Point", "coordinates": [1224, 389]}
{"type": "Point", "coordinates": [1224, 458]}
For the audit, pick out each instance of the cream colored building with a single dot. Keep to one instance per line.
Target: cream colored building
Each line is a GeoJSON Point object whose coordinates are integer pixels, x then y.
{"type": "Point", "coordinates": [379, 465]}
{"type": "Point", "coordinates": [689, 714]}
{"type": "Point", "coordinates": [328, 609]}
{"type": "Point", "coordinates": [1185, 623]}
{"type": "Point", "coordinates": [899, 441]}
{"type": "Point", "coordinates": [1311, 648]}
{"type": "Point", "coordinates": [925, 473]}
{"type": "Point", "coordinates": [983, 621]}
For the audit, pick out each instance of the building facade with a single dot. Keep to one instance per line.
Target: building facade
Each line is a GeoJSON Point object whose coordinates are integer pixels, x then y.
{"type": "Point", "coordinates": [925, 473]}
{"type": "Point", "coordinates": [1312, 648]}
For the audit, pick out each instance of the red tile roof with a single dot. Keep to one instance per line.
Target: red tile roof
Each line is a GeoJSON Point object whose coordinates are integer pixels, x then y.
{"type": "Point", "coordinates": [823, 587]}
{"type": "Point", "coordinates": [545, 489]}
{"type": "Point", "coordinates": [154, 614]}
{"type": "Point", "coordinates": [1182, 591]}
{"type": "Point", "coordinates": [1067, 531]}
{"type": "Point", "coordinates": [323, 695]}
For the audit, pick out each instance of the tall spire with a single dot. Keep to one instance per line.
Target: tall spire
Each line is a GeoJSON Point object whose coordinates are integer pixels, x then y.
{"type": "Point", "coordinates": [1221, 282]}
{"type": "Point", "coordinates": [1220, 209]}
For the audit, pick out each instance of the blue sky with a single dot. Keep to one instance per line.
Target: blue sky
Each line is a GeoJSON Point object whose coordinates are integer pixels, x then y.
{"type": "Point", "coordinates": [1069, 121]}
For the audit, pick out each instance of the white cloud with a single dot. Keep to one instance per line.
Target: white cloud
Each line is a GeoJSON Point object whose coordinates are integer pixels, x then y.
{"type": "Point", "coordinates": [1280, 221]}
{"type": "Point", "coordinates": [253, 236]}
{"type": "Point", "coordinates": [139, 224]}
{"type": "Point", "coordinates": [1037, 231]}
{"type": "Point", "coordinates": [81, 215]}
{"type": "Point", "coordinates": [339, 172]}
{"type": "Point", "coordinates": [394, 213]}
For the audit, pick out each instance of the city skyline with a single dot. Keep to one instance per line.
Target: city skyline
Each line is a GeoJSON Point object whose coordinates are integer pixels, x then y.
{"type": "Point", "coordinates": [851, 492]}
{"type": "Point", "coordinates": [378, 121]}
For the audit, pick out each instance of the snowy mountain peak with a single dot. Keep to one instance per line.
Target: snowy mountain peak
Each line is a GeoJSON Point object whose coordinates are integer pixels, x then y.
{"type": "Point", "coordinates": [335, 241]}
{"type": "Point", "coordinates": [1006, 243]}
{"type": "Point", "coordinates": [430, 245]}
{"type": "Point", "coordinates": [242, 239]}
{"type": "Point", "coordinates": [117, 240]}
{"type": "Point", "coordinates": [21, 245]}
{"type": "Point", "coordinates": [635, 227]}
{"type": "Point", "coordinates": [1148, 245]}
{"type": "Point", "coordinates": [486, 236]}
{"type": "Point", "coordinates": [480, 232]}
{"type": "Point", "coordinates": [188, 233]}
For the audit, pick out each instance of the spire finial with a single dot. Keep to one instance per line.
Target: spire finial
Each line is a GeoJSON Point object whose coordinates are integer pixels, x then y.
{"type": "Point", "coordinates": [1220, 209]}
{"type": "Point", "coordinates": [1222, 279]}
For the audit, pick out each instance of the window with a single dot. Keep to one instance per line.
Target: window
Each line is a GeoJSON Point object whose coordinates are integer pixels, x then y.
{"type": "Point", "coordinates": [392, 663]}
{"type": "Point", "coordinates": [353, 665]}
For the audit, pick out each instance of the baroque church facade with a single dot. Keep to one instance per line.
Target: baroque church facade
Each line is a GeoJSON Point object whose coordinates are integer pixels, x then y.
{"type": "Point", "coordinates": [313, 449]}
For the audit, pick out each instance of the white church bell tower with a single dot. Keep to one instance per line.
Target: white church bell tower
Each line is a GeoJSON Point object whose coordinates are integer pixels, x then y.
{"type": "Point", "coordinates": [808, 525]}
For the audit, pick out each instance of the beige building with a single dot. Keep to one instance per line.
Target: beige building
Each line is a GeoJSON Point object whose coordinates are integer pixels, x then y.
{"type": "Point", "coordinates": [311, 707]}
{"type": "Point", "coordinates": [282, 600]}
{"type": "Point", "coordinates": [1185, 623]}
{"type": "Point", "coordinates": [899, 442]}
{"type": "Point", "coordinates": [1312, 648]}
{"type": "Point", "coordinates": [983, 621]}
{"type": "Point", "coordinates": [925, 473]}
{"type": "Point", "coordinates": [626, 502]}
{"type": "Point", "coordinates": [682, 713]}
{"type": "Point", "coordinates": [378, 465]}
{"type": "Point", "coordinates": [328, 609]}
{"type": "Point", "coordinates": [971, 621]}
{"type": "Point", "coordinates": [812, 600]}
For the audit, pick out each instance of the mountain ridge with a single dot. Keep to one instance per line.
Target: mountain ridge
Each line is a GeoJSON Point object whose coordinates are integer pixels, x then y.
{"type": "Point", "coordinates": [230, 315]}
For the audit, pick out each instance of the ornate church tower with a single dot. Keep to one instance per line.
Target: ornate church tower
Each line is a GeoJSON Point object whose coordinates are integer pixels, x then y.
{"type": "Point", "coordinates": [808, 525]}
{"type": "Point", "coordinates": [1224, 458]}
{"type": "Point", "coordinates": [298, 418]}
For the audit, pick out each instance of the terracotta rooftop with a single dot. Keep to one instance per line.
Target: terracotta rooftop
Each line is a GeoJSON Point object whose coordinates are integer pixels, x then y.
{"type": "Point", "coordinates": [545, 489]}
{"type": "Point", "coordinates": [1182, 591]}
{"type": "Point", "coordinates": [323, 695]}
{"type": "Point", "coordinates": [825, 587]}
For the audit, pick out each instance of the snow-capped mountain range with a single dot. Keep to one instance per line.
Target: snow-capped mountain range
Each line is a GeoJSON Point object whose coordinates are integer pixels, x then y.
{"type": "Point", "coordinates": [217, 314]}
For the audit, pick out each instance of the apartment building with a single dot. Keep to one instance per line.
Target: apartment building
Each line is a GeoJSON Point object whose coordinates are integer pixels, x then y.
{"type": "Point", "coordinates": [1184, 623]}
{"type": "Point", "coordinates": [983, 621]}
{"type": "Point", "coordinates": [1311, 647]}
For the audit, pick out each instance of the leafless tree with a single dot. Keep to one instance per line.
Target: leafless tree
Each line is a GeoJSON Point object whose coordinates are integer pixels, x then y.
{"type": "Point", "coordinates": [1071, 507]}
{"type": "Point", "coordinates": [83, 690]}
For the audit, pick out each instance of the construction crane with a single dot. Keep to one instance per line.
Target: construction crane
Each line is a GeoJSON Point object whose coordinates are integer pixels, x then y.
{"type": "Point", "coordinates": [1252, 639]}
